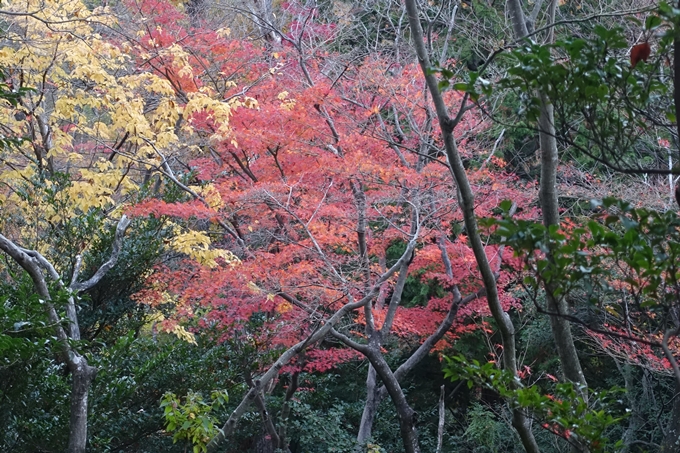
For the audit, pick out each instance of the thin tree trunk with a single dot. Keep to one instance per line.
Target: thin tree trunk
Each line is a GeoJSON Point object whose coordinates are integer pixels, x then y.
{"type": "Point", "coordinates": [420, 353]}
{"type": "Point", "coordinates": [635, 421]}
{"type": "Point", "coordinates": [285, 412]}
{"type": "Point", "coordinates": [262, 14]}
{"type": "Point", "coordinates": [549, 162]}
{"type": "Point", "coordinates": [83, 375]}
{"type": "Point", "coordinates": [370, 408]}
{"type": "Point", "coordinates": [374, 394]}
{"type": "Point", "coordinates": [442, 419]}
{"type": "Point", "coordinates": [406, 415]}
{"type": "Point", "coordinates": [671, 441]}
{"type": "Point", "coordinates": [323, 329]}
{"type": "Point", "coordinates": [561, 328]}
{"type": "Point", "coordinates": [267, 421]}
{"type": "Point", "coordinates": [676, 77]}
{"type": "Point", "coordinates": [376, 336]}
{"type": "Point", "coordinates": [466, 197]}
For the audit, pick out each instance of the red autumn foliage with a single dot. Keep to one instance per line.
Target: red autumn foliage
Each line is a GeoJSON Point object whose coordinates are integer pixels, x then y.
{"type": "Point", "coordinates": [635, 347]}
{"type": "Point", "coordinates": [639, 52]}
{"type": "Point", "coordinates": [295, 179]}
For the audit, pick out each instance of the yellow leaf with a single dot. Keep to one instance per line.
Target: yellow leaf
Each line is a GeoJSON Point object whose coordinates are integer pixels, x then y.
{"type": "Point", "coordinates": [223, 32]}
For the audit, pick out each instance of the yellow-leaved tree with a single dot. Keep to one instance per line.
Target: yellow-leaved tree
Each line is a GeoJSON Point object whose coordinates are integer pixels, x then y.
{"type": "Point", "coordinates": [95, 132]}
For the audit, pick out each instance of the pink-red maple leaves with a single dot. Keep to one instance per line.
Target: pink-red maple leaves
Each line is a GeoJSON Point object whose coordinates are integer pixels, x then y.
{"type": "Point", "coordinates": [297, 172]}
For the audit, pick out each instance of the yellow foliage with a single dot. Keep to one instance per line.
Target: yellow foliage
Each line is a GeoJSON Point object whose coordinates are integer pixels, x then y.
{"type": "Point", "coordinates": [257, 290]}
{"type": "Point", "coordinates": [210, 194]}
{"type": "Point", "coordinates": [179, 331]}
{"type": "Point", "coordinates": [223, 32]}
{"type": "Point", "coordinates": [254, 288]}
{"type": "Point", "coordinates": [183, 334]}
{"type": "Point", "coordinates": [220, 112]}
{"type": "Point", "coordinates": [196, 245]}
{"type": "Point", "coordinates": [96, 119]}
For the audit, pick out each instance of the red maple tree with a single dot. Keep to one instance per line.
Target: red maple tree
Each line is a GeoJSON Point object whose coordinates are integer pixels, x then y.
{"type": "Point", "coordinates": [320, 175]}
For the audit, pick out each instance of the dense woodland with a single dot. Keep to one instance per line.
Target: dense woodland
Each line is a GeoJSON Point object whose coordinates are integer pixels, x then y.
{"type": "Point", "coordinates": [339, 226]}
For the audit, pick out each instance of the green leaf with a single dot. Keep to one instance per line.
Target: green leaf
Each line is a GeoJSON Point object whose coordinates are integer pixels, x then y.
{"type": "Point", "coordinates": [460, 86]}
{"type": "Point", "coordinates": [447, 73]}
{"type": "Point", "coordinates": [652, 22]}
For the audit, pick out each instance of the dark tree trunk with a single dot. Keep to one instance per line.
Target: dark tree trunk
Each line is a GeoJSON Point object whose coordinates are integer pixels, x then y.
{"type": "Point", "coordinates": [264, 443]}
{"type": "Point", "coordinates": [671, 442]}
{"type": "Point", "coordinates": [370, 408]}
{"type": "Point", "coordinates": [407, 416]}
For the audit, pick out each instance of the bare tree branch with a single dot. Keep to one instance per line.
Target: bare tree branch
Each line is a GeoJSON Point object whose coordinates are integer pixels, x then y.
{"type": "Point", "coordinates": [123, 224]}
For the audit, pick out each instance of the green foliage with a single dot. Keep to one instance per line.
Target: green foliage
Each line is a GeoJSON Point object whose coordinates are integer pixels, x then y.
{"type": "Point", "coordinates": [35, 396]}
{"type": "Point", "coordinates": [24, 327]}
{"type": "Point", "coordinates": [108, 310]}
{"type": "Point", "coordinates": [417, 291]}
{"type": "Point", "coordinates": [192, 420]}
{"type": "Point", "coordinates": [11, 96]}
{"type": "Point", "coordinates": [488, 434]}
{"type": "Point", "coordinates": [564, 411]}
{"type": "Point", "coordinates": [323, 431]}
{"type": "Point", "coordinates": [645, 244]}
{"type": "Point", "coordinates": [34, 390]}
{"type": "Point", "coordinates": [134, 373]}
{"type": "Point", "coordinates": [612, 104]}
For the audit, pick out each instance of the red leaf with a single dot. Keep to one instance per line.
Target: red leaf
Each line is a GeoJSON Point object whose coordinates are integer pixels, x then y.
{"type": "Point", "coordinates": [639, 52]}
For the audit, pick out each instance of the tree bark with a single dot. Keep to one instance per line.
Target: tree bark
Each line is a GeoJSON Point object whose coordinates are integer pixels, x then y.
{"type": "Point", "coordinates": [671, 441]}
{"type": "Point", "coordinates": [376, 337]}
{"type": "Point", "coordinates": [442, 419]}
{"type": "Point", "coordinates": [374, 394]}
{"type": "Point", "coordinates": [635, 421]}
{"type": "Point", "coordinates": [373, 398]}
{"type": "Point", "coordinates": [561, 328]}
{"type": "Point", "coordinates": [407, 416]}
{"type": "Point", "coordinates": [263, 16]}
{"type": "Point", "coordinates": [370, 408]}
{"type": "Point", "coordinates": [676, 76]}
{"type": "Point", "coordinates": [285, 412]}
{"type": "Point", "coordinates": [82, 373]}
{"type": "Point", "coordinates": [466, 197]}
{"type": "Point", "coordinates": [267, 421]}
{"type": "Point", "coordinates": [324, 328]}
